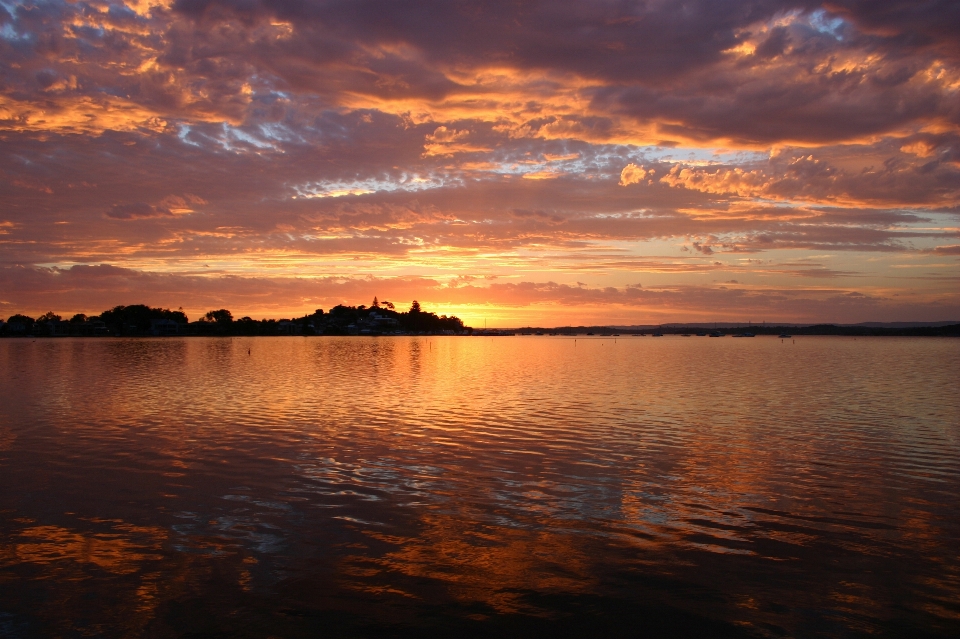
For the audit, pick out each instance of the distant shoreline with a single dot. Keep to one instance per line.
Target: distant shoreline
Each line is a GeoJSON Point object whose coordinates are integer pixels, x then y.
{"type": "Point", "coordinates": [952, 330]}
{"type": "Point", "coordinates": [382, 319]}
{"type": "Point", "coordinates": [947, 330]}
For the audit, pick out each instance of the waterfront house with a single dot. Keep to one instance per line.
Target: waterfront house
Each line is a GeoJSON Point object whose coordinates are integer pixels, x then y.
{"type": "Point", "coordinates": [89, 328]}
{"type": "Point", "coordinates": [16, 328]}
{"type": "Point", "coordinates": [164, 327]}
{"type": "Point", "coordinates": [286, 327]}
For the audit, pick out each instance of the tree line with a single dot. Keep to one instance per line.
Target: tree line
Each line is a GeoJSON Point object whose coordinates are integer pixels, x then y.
{"type": "Point", "coordinates": [139, 319]}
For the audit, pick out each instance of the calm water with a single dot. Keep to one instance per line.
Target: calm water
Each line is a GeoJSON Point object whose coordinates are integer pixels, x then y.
{"type": "Point", "coordinates": [514, 486]}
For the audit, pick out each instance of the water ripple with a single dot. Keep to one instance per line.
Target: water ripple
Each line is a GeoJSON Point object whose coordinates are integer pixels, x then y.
{"type": "Point", "coordinates": [811, 488]}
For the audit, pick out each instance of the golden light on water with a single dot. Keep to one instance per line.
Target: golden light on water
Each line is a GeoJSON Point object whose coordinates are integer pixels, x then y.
{"type": "Point", "coordinates": [515, 481]}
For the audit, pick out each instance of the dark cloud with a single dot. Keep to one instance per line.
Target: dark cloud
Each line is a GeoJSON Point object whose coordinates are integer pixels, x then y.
{"type": "Point", "coordinates": [842, 69]}
{"type": "Point", "coordinates": [902, 23]}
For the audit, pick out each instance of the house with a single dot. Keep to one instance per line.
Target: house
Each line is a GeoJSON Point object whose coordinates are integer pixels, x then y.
{"type": "Point", "coordinates": [382, 321]}
{"type": "Point", "coordinates": [377, 324]}
{"type": "Point", "coordinates": [90, 328]}
{"type": "Point", "coordinates": [16, 328]}
{"type": "Point", "coordinates": [163, 327]}
{"type": "Point", "coordinates": [57, 328]}
{"type": "Point", "coordinates": [286, 327]}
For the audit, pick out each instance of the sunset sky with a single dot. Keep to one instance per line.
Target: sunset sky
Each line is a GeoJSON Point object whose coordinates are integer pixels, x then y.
{"type": "Point", "coordinates": [544, 163]}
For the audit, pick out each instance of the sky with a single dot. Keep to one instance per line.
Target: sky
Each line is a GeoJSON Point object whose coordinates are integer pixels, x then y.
{"type": "Point", "coordinates": [512, 163]}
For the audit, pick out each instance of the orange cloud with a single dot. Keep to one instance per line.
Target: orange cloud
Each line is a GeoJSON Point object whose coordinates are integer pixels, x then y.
{"type": "Point", "coordinates": [446, 142]}
{"type": "Point", "coordinates": [721, 181]}
{"type": "Point", "coordinates": [632, 174]}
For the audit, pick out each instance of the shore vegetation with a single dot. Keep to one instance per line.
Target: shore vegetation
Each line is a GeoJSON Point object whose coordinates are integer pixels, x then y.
{"type": "Point", "coordinates": [379, 318]}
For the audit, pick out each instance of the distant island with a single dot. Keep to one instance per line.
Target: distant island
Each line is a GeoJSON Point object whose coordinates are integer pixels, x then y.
{"type": "Point", "coordinates": [138, 320]}
{"type": "Point", "coordinates": [382, 318]}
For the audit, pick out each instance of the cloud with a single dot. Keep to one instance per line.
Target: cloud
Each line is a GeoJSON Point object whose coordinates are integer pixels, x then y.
{"type": "Point", "coordinates": [543, 174]}
{"type": "Point", "coordinates": [632, 174]}
{"type": "Point", "coordinates": [447, 142]}
{"type": "Point", "coordinates": [170, 206]}
{"type": "Point", "coordinates": [760, 71]}
{"type": "Point", "coordinates": [899, 177]}
{"type": "Point", "coordinates": [137, 210]}
{"type": "Point", "coordinates": [427, 137]}
{"type": "Point", "coordinates": [92, 289]}
{"type": "Point", "coordinates": [541, 215]}
{"type": "Point", "coordinates": [706, 249]}
{"type": "Point", "coordinates": [720, 181]}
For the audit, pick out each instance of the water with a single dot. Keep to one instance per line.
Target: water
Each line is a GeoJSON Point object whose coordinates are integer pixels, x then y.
{"type": "Point", "coordinates": [504, 486]}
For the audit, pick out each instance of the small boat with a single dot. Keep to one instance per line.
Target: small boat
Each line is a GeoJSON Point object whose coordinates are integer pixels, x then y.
{"type": "Point", "coordinates": [685, 335]}
{"type": "Point", "coordinates": [744, 335]}
{"type": "Point", "coordinates": [701, 334]}
{"type": "Point", "coordinates": [658, 334]}
{"type": "Point", "coordinates": [785, 336]}
{"type": "Point", "coordinates": [716, 334]}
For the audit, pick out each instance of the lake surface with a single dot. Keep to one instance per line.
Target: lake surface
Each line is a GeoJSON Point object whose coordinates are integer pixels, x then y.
{"type": "Point", "coordinates": [481, 486]}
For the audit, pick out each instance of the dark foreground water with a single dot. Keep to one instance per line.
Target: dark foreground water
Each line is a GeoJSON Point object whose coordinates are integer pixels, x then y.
{"type": "Point", "coordinates": [513, 486]}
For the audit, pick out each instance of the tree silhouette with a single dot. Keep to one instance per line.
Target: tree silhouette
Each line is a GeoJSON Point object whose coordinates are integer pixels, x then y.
{"type": "Point", "coordinates": [137, 317]}
{"type": "Point", "coordinates": [220, 316]}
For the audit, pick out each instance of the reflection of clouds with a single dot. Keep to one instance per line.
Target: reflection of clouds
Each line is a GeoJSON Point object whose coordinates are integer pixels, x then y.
{"type": "Point", "coordinates": [124, 552]}
{"type": "Point", "coordinates": [120, 551]}
{"type": "Point", "coordinates": [482, 563]}
{"type": "Point", "coordinates": [487, 471]}
{"type": "Point", "coordinates": [7, 438]}
{"type": "Point", "coordinates": [129, 576]}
